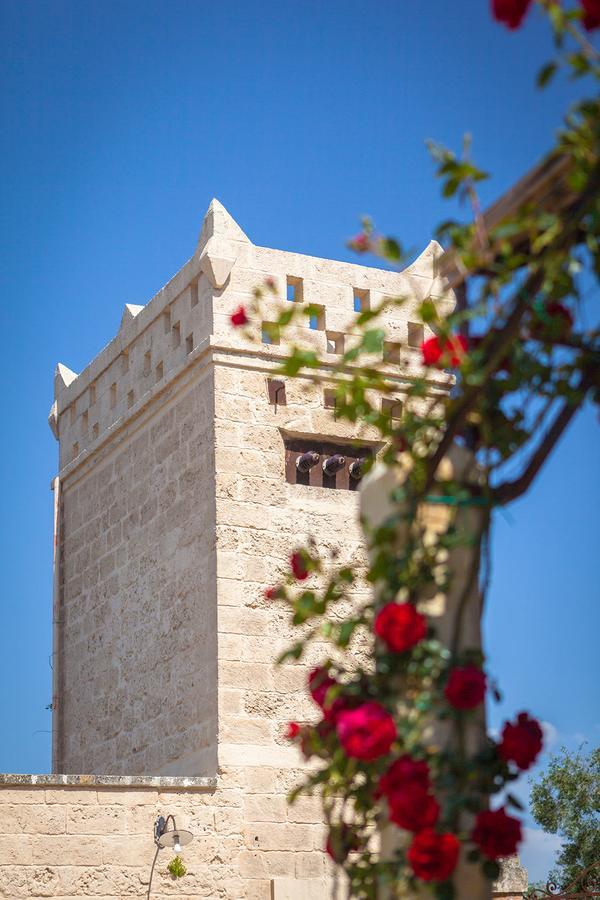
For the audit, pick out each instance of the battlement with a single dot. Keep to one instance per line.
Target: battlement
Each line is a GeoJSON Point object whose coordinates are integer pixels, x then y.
{"type": "Point", "coordinates": [189, 316]}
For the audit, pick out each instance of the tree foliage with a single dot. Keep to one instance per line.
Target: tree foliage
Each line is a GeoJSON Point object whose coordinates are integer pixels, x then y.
{"type": "Point", "coordinates": [565, 800]}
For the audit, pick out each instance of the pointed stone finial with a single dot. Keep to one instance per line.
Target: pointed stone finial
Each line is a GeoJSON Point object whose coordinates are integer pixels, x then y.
{"type": "Point", "coordinates": [130, 311]}
{"type": "Point", "coordinates": [53, 419]}
{"type": "Point", "coordinates": [219, 244]}
{"type": "Point", "coordinates": [218, 222]}
{"type": "Point", "coordinates": [423, 274]}
{"type": "Point", "coordinates": [63, 377]}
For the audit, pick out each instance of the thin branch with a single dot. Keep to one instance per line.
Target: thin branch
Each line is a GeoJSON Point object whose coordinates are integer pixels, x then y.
{"type": "Point", "coordinates": [510, 490]}
{"type": "Point", "coordinates": [502, 339]}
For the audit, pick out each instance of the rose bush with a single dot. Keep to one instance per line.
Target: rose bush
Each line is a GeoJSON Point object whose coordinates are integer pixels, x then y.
{"type": "Point", "coordinates": [399, 741]}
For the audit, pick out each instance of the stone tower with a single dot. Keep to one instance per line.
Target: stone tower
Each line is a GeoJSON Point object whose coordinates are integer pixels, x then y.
{"type": "Point", "coordinates": [178, 501]}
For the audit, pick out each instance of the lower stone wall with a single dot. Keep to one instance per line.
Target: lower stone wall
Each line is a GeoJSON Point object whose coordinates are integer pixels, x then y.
{"type": "Point", "coordinates": [79, 836]}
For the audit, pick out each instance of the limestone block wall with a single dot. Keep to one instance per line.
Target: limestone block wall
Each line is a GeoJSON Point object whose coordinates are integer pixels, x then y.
{"type": "Point", "coordinates": [93, 838]}
{"type": "Point", "coordinates": [75, 836]}
{"type": "Point", "coordinates": [137, 602]}
{"type": "Point", "coordinates": [170, 455]}
{"type": "Point", "coordinates": [260, 518]}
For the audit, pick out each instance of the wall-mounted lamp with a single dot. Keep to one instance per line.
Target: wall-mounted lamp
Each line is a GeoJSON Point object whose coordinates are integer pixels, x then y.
{"type": "Point", "coordinates": [170, 837]}
{"type": "Point", "coordinates": [167, 837]}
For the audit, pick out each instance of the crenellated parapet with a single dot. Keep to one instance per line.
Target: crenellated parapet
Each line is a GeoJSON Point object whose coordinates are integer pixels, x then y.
{"type": "Point", "coordinates": [155, 343]}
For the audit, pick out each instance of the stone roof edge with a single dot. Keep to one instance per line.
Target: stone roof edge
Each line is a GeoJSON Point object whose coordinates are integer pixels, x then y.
{"type": "Point", "coordinates": [66, 393]}
{"type": "Point", "coordinates": [127, 334]}
{"type": "Point", "coordinates": [196, 782]}
{"type": "Point", "coordinates": [173, 380]}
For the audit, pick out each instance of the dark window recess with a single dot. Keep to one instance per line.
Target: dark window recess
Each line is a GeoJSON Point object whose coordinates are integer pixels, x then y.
{"type": "Point", "coordinates": [276, 392]}
{"type": "Point", "coordinates": [318, 463]}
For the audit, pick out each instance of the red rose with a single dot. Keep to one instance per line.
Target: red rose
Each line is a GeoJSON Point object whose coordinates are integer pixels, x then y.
{"type": "Point", "coordinates": [319, 682]}
{"type": "Point", "coordinates": [591, 18]}
{"type": "Point", "coordinates": [412, 807]}
{"type": "Point", "coordinates": [403, 771]}
{"type": "Point", "coordinates": [272, 593]}
{"type": "Point", "coordinates": [341, 841]}
{"type": "Point", "coordinates": [465, 688]}
{"type": "Point", "coordinates": [298, 564]}
{"type": "Point", "coordinates": [496, 834]}
{"type": "Point", "coordinates": [400, 626]}
{"type": "Point", "coordinates": [366, 732]}
{"type": "Point", "coordinates": [432, 856]}
{"type": "Point", "coordinates": [293, 730]}
{"type": "Point", "coordinates": [360, 243]}
{"type": "Point", "coordinates": [239, 317]}
{"type": "Point", "coordinates": [444, 352]}
{"type": "Point", "coordinates": [521, 741]}
{"type": "Point", "coordinates": [510, 12]}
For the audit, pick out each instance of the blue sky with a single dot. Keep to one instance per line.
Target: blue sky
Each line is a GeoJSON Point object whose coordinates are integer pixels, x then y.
{"type": "Point", "coordinates": [120, 121]}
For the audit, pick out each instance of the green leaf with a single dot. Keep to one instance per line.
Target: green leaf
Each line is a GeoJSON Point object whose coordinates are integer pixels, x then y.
{"type": "Point", "coordinates": [451, 187]}
{"type": "Point", "coordinates": [372, 341]}
{"type": "Point", "coordinates": [391, 249]}
{"type": "Point", "coordinates": [286, 316]}
{"type": "Point", "coordinates": [428, 311]}
{"type": "Point", "coordinates": [346, 632]}
{"type": "Point", "coordinates": [546, 74]}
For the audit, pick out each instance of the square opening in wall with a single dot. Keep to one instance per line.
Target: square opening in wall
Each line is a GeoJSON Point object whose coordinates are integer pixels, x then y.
{"type": "Point", "coordinates": [130, 399]}
{"type": "Point", "coordinates": [113, 396]}
{"type": "Point", "coordinates": [270, 333]}
{"type": "Point", "coordinates": [75, 450]}
{"type": "Point", "coordinates": [335, 342]}
{"type": "Point", "coordinates": [362, 300]}
{"type": "Point", "coordinates": [295, 293]}
{"type": "Point", "coordinates": [176, 335]}
{"type": "Point", "coordinates": [147, 362]}
{"type": "Point", "coordinates": [276, 392]}
{"type": "Point", "coordinates": [392, 407]}
{"type": "Point", "coordinates": [316, 317]}
{"type": "Point", "coordinates": [194, 294]}
{"type": "Point", "coordinates": [159, 373]}
{"type": "Point", "coordinates": [84, 423]}
{"type": "Point", "coordinates": [189, 343]}
{"type": "Point", "coordinates": [330, 398]}
{"type": "Point", "coordinates": [415, 335]}
{"type": "Point", "coordinates": [391, 353]}
{"type": "Point", "coordinates": [95, 430]}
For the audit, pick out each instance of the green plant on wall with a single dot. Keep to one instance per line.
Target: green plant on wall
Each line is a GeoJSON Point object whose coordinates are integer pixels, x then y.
{"type": "Point", "coordinates": [176, 867]}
